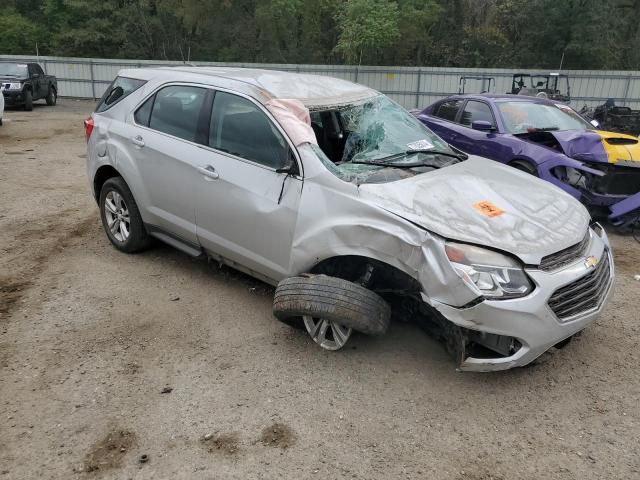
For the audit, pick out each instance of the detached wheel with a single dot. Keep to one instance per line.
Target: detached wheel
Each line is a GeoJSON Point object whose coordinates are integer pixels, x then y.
{"type": "Point", "coordinates": [52, 97]}
{"type": "Point", "coordinates": [28, 100]}
{"type": "Point", "coordinates": [525, 167]}
{"type": "Point", "coordinates": [331, 308]}
{"type": "Point", "coordinates": [121, 218]}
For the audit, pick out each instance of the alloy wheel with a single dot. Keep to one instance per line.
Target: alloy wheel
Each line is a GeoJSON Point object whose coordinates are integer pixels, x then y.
{"type": "Point", "coordinates": [329, 335]}
{"type": "Point", "coordinates": [117, 215]}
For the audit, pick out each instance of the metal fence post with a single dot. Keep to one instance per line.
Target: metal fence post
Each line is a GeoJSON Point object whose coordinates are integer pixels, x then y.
{"type": "Point", "coordinates": [93, 83]}
{"type": "Point", "coordinates": [418, 88]}
{"type": "Point", "coordinates": [626, 90]}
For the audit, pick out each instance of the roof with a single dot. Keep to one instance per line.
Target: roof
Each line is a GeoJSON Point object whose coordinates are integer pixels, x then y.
{"type": "Point", "coordinates": [503, 96]}
{"type": "Point", "coordinates": [312, 90]}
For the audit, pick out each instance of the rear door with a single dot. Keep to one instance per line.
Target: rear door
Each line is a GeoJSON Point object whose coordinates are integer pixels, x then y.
{"type": "Point", "coordinates": [245, 209]}
{"type": "Point", "coordinates": [472, 141]}
{"type": "Point", "coordinates": [165, 142]}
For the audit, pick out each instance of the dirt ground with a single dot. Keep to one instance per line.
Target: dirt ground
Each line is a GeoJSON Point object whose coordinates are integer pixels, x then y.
{"type": "Point", "coordinates": [106, 358]}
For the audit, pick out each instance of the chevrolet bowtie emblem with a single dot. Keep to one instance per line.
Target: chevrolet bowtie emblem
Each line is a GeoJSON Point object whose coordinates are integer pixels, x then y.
{"type": "Point", "coordinates": [591, 261]}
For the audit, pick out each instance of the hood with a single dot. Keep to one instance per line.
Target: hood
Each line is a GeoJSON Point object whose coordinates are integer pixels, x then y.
{"type": "Point", "coordinates": [600, 146]}
{"type": "Point", "coordinates": [4, 79]}
{"type": "Point", "coordinates": [483, 202]}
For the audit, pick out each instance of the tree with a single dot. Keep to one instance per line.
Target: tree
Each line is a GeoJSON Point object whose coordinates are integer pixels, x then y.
{"type": "Point", "coordinates": [366, 27]}
{"type": "Point", "coordinates": [19, 35]}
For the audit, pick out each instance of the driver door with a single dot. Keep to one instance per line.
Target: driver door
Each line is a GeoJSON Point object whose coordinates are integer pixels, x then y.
{"type": "Point", "coordinates": [246, 210]}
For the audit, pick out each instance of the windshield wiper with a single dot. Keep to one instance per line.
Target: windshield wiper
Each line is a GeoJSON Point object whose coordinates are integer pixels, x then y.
{"type": "Point", "coordinates": [546, 129]}
{"type": "Point", "coordinates": [385, 160]}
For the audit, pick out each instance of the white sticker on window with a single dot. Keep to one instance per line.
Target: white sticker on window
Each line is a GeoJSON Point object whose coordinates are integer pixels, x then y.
{"type": "Point", "coordinates": [22, 65]}
{"type": "Point", "coordinates": [420, 145]}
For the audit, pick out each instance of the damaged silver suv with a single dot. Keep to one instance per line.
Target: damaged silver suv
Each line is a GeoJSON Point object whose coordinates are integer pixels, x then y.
{"type": "Point", "coordinates": [349, 205]}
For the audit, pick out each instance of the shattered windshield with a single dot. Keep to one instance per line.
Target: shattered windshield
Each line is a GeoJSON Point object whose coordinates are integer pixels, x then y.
{"type": "Point", "coordinates": [522, 117]}
{"type": "Point", "coordinates": [379, 128]}
{"type": "Point", "coordinates": [372, 141]}
{"type": "Point", "coordinates": [13, 70]}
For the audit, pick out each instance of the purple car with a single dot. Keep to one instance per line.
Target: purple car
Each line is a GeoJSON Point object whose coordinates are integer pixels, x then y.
{"type": "Point", "coordinates": [550, 140]}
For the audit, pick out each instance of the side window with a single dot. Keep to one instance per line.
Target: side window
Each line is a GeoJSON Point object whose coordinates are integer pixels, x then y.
{"type": "Point", "coordinates": [120, 88]}
{"type": "Point", "coordinates": [144, 112]}
{"type": "Point", "coordinates": [476, 111]}
{"type": "Point", "coordinates": [177, 110]}
{"type": "Point", "coordinates": [239, 127]}
{"type": "Point", "coordinates": [37, 69]}
{"type": "Point", "coordinates": [448, 110]}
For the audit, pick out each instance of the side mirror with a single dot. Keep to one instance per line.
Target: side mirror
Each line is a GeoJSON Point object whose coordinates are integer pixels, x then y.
{"type": "Point", "coordinates": [595, 123]}
{"type": "Point", "coordinates": [289, 166]}
{"type": "Point", "coordinates": [482, 125]}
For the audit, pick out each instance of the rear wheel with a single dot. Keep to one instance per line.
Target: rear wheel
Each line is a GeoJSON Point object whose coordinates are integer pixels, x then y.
{"type": "Point", "coordinates": [121, 218]}
{"type": "Point", "coordinates": [28, 100]}
{"type": "Point", "coordinates": [52, 97]}
{"type": "Point", "coordinates": [525, 167]}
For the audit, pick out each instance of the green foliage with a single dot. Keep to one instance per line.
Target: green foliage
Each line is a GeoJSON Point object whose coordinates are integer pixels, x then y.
{"type": "Point", "coordinates": [366, 26]}
{"type": "Point", "coordinates": [591, 34]}
{"type": "Point", "coordinates": [18, 33]}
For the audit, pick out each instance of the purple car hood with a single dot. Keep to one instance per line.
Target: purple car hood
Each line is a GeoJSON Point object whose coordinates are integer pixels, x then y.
{"type": "Point", "coordinates": [599, 146]}
{"type": "Point", "coordinates": [483, 202]}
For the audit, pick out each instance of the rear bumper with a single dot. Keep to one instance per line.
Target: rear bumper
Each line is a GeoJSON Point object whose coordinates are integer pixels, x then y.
{"type": "Point", "coordinates": [530, 320]}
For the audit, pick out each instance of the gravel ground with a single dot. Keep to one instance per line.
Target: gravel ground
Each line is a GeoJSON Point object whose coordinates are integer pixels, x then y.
{"type": "Point", "coordinates": [106, 357]}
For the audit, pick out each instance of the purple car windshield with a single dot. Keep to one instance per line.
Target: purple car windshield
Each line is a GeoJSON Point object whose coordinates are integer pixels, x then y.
{"type": "Point", "coordinates": [521, 117]}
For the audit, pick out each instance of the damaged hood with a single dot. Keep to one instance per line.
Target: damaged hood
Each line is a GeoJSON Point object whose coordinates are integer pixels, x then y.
{"type": "Point", "coordinates": [482, 202]}
{"type": "Point", "coordinates": [599, 146]}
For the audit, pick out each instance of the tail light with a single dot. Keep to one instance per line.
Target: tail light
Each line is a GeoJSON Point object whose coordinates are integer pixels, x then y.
{"type": "Point", "coordinates": [88, 128]}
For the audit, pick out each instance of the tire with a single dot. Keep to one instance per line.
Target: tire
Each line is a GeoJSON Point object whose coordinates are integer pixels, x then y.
{"type": "Point", "coordinates": [333, 299]}
{"type": "Point", "coordinates": [525, 167]}
{"type": "Point", "coordinates": [52, 97]}
{"type": "Point", "coordinates": [28, 100]}
{"type": "Point", "coordinates": [137, 239]}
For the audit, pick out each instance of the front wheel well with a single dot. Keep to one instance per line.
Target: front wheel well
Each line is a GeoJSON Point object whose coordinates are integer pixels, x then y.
{"type": "Point", "coordinates": [373, 274]}
{"type": "Point", "coordinates": [524, 165]}
{"type": "Point", "coordinates": [103, 174]}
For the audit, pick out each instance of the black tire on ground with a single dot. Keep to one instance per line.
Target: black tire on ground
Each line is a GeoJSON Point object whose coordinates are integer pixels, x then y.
{"type": "Point", "coordinates": [138, 239]}
{"type": "Point", "coordinates": [52, 97]}
{"type": "Point", "coordinates": [334, 299]}
{"type": "Point", "coordinates": [28, 101]}
{"type": "Point", "coordinates": [525, 167]}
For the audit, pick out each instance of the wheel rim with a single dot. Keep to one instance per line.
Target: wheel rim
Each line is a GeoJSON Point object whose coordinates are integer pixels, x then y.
{"type": "Point", "coordinates": [329, 335]}
{"type": "Point", "coordinates": [117, 215]}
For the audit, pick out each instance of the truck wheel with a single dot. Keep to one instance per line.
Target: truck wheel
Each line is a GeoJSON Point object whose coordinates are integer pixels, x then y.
{"type": "Point", "coordinates": [52, 97]}
{"type": "Point", "coordinates": [121, 218]}
{"type": "Point", "coordinates": [28, 100]}
{"type": "Point", "coordinates": [330, 308]}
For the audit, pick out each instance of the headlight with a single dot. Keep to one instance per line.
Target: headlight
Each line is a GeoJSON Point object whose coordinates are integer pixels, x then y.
{"type": "Point", "coordinates": [491, 274]}
{"type": "Point", "coordinates": [15, 86]}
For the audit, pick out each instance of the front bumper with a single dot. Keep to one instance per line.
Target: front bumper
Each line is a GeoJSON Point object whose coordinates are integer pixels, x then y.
{"type": "Point", "coordinates": [13, 98]}
{"type": "Point", "coordinates": [530, 320]}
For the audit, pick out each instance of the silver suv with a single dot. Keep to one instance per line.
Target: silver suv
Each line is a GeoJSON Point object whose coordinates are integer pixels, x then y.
{"type": "Point", "coordinates": [351, 206]}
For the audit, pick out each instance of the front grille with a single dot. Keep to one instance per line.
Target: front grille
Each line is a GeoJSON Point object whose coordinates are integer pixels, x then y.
{"type": "Point", "coordinates": [566, 256]}
{"type": "Point", "coordinates": [586, 293]}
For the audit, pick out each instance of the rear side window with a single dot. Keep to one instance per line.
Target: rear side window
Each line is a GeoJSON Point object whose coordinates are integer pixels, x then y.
{"type": "Point", "coordinates": [476, 111]}
{"type": "Point", "coordinates": [178, 110]}
{"type": "Point", "coordinates": [144, 112]}
{"type": "Point", "coordinates": [240, 128]}
{"type": "Point", "coordinates": [448, 110]}
{"type": "Point", "coordinates": [120, 88]}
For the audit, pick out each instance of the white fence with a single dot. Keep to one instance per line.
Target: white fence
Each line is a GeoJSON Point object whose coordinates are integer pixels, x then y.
{"type": "Point", "coordinates": [412, 87]}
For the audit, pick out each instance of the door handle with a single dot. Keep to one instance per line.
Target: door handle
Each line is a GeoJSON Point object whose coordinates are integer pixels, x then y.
{"type": "Point", "coordinates": [137, 140]}
{"type": "Point", "coordinates": [208, 171]}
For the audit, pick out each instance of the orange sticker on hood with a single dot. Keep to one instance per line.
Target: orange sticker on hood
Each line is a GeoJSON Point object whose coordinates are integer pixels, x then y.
{"type": "Point", "coordinates": [488, 209]}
